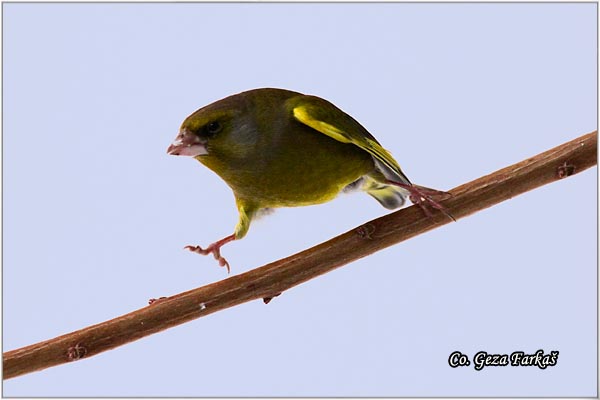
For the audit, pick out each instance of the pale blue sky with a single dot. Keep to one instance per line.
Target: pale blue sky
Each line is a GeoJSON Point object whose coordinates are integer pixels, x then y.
{"type": "Point", "coordinates": [96, 213]}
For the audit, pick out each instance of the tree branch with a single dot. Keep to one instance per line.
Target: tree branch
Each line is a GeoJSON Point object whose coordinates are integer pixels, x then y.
{"type": "Point", "coordinates": [276, 277]}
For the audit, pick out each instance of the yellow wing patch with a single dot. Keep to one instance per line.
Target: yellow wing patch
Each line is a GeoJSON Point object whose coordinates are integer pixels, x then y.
{"type": "Point", "coordinates": [302, 114]}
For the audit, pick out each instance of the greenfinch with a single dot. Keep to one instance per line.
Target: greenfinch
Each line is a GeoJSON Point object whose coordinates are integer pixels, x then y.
{"type": "Point", "coordinates": [279, 148]}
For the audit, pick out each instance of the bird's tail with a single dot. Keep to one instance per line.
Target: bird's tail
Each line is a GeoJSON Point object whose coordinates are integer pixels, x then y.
{"type": "Point", "coordinates": [389, 196]}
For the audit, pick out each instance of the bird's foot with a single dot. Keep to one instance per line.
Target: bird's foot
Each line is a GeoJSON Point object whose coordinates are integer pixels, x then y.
{"type": "Point", "coordinates": [215, 249]}
{"type": "Point", "coordinates": [425, 197]}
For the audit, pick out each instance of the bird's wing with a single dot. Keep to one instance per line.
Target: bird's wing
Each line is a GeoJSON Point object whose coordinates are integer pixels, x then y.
{"type": "Point", "coordinates": [326, 118]}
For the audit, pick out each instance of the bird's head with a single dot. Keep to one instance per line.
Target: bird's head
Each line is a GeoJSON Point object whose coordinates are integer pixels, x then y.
{"type": "Point", "coordinates": [196, 133]}
{"type": "Point", "coordinates": [223, 130]}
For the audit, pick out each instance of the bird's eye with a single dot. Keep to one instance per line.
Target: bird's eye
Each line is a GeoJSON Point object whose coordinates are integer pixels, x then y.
{"type": "Point", "coordinates": [213, 128]}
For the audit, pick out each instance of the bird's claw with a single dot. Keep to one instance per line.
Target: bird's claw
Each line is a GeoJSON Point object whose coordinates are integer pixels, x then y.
{"type": "Point", "coordinates": [215, 250]}
{"type": "Point", "coordinates": [424, 197]}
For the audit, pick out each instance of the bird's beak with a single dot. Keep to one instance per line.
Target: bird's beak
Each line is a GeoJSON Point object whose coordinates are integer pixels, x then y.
{"type": "Point", "coordinates": [187, 144]}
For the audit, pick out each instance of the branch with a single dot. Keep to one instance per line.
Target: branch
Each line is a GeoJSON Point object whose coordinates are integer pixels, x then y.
{"type": "Point", "coordinates": [270, 280]}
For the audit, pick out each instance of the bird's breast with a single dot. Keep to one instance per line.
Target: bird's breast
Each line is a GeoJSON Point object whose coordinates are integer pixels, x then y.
{"type": "Point", "coordinates": [295, 168]}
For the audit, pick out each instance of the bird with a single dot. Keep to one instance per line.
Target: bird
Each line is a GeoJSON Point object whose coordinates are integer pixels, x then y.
{"type": "Point", "coordinates": [280, 148]}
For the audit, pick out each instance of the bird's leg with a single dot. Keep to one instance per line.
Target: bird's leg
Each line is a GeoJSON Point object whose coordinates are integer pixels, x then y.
{"type": "Point", "coordinates": [423, 197]}
{"type": "Point", "coordinates": [215, 249]}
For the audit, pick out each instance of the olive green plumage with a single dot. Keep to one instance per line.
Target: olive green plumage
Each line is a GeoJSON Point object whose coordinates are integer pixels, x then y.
{"type": "Point", "coordinates": [278, 148]}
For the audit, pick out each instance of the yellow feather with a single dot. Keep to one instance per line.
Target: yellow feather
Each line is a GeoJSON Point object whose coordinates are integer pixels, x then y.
{"type": "Point", "coordinates": [301, 114]}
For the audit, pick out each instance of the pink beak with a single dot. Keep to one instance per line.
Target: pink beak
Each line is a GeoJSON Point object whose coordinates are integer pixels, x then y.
{"type": "Point", "coordinates": [187, 144]}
